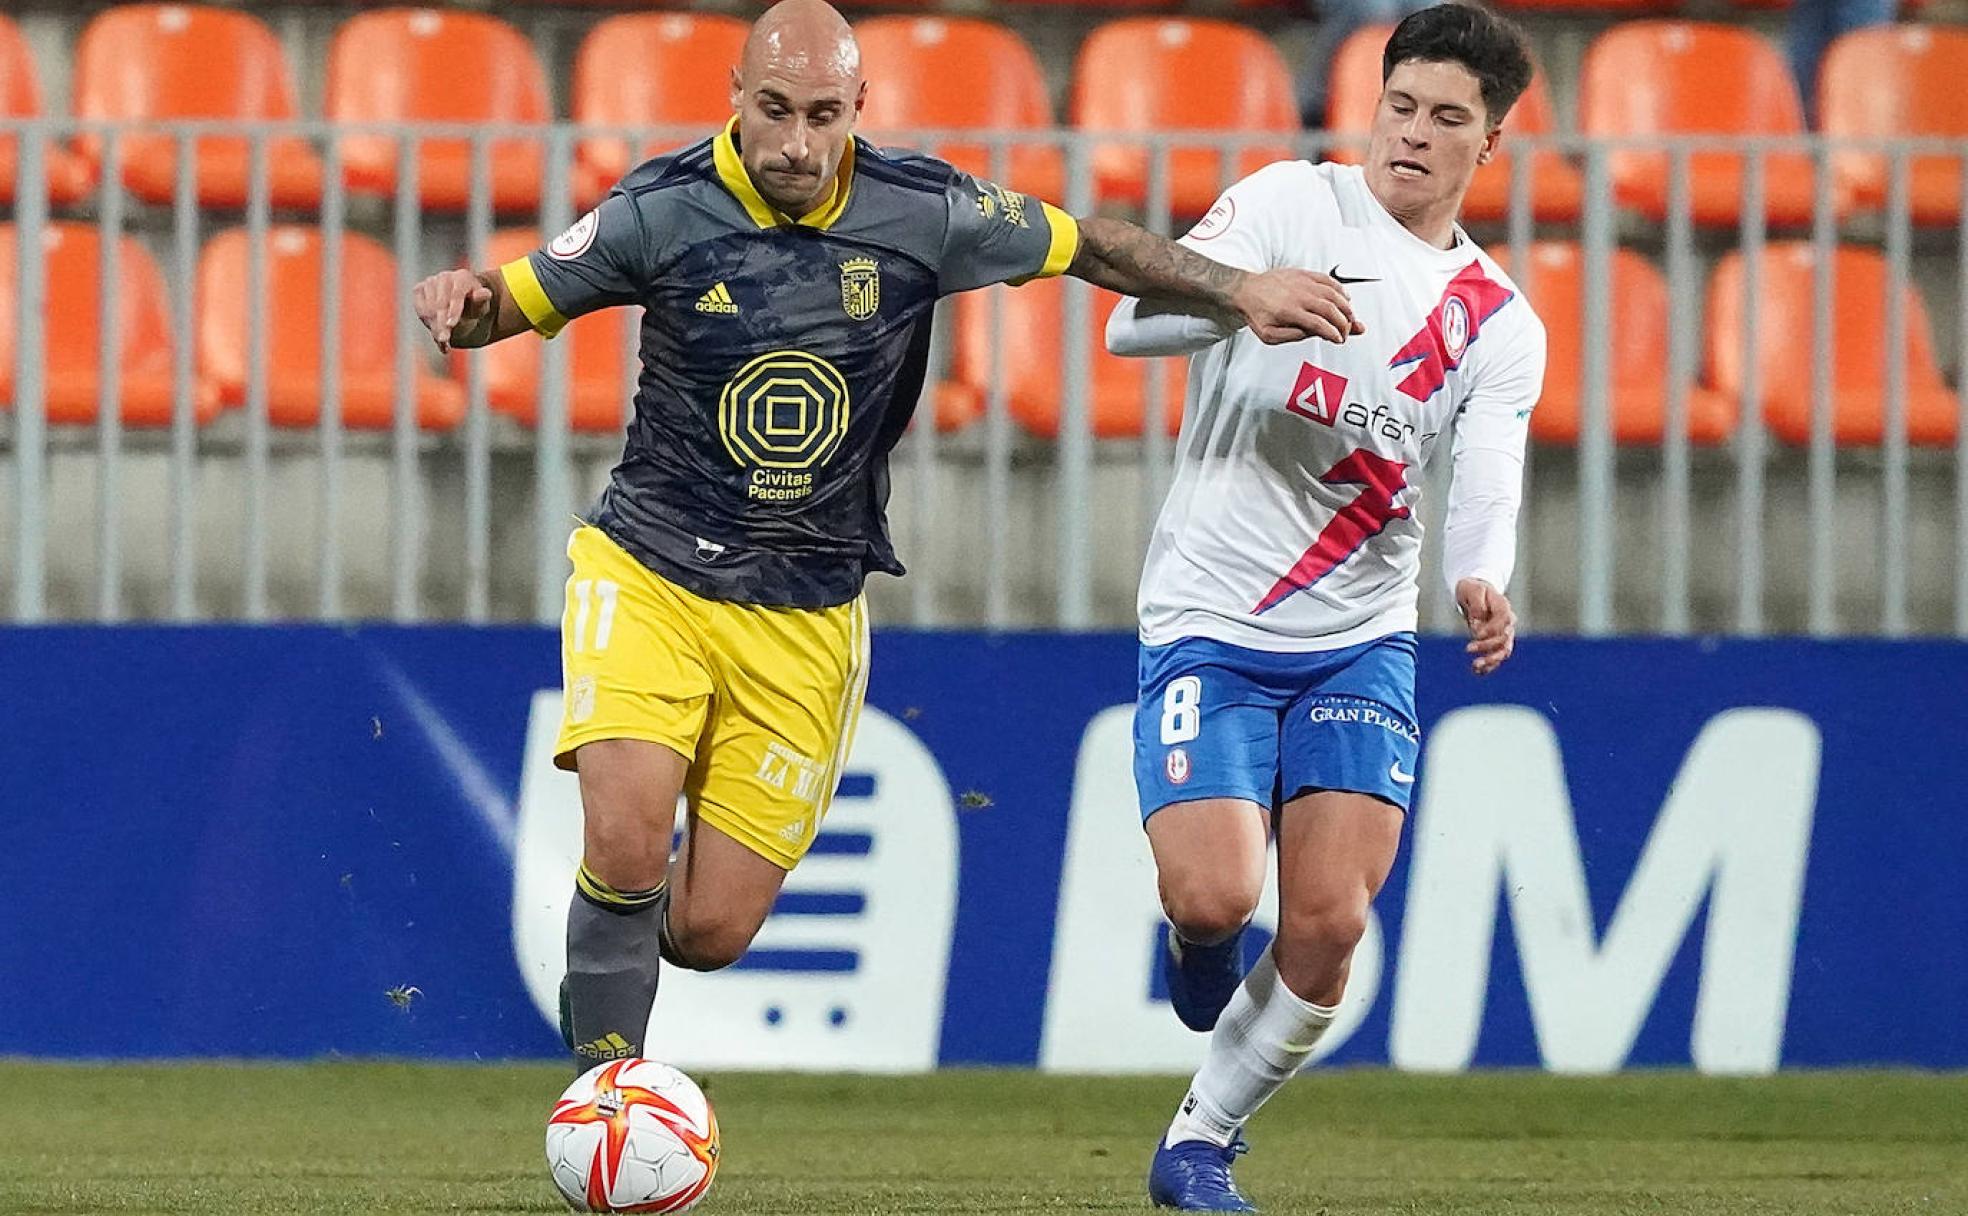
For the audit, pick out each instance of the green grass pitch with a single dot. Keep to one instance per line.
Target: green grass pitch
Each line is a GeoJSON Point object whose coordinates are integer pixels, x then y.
{"type": "Point", "coordinates": [389, 1138]}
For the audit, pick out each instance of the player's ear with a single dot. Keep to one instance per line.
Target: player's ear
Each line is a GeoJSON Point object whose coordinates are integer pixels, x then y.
{"type": "Point", "coordinates": [860, 98]}
{"type": "Point", "coordinates": [737, 89]}
{"type": "Point", "coordinates": [1488, 150]}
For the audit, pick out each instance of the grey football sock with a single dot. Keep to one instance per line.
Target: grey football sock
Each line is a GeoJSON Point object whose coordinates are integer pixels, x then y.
{"type": "Point", "coordinates": [612, 964]}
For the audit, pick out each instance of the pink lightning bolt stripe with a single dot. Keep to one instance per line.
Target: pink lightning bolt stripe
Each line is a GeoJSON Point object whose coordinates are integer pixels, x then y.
{"type": "Point", "coordinates": [1359, 520]}
{"type": "Point", "coordinates": [1481, 296]}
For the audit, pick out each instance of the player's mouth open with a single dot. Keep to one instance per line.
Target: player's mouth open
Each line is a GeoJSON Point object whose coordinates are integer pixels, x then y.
{"type": "Point", "coordinates": [1407, 168]}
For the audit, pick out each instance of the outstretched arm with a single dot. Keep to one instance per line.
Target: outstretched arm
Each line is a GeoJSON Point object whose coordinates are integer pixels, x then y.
{"type": "Point", "coordinates": [465, 309]}
{"type": "Point", "coordinates": [1277, 305]}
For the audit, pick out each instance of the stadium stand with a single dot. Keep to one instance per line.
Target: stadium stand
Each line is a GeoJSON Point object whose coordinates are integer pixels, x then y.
{"type": "Point", "coordinates": [1116, 75]}
{"type": "Point", "coordinates": [1783, 329]}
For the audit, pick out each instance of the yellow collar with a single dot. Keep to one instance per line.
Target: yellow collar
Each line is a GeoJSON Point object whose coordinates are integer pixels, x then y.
{"type": "Point", "coordinates": [731, 171]}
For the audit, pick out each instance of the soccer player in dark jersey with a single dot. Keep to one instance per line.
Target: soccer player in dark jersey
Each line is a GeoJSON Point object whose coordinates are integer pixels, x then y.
{"type": "Point", "coordinates": [715, 641]}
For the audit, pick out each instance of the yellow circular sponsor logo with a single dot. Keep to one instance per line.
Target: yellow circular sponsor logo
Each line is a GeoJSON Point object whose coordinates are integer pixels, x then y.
{"type": "Point", "coordinates": [784, 412]}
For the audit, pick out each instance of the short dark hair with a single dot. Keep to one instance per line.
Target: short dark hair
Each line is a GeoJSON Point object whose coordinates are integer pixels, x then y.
{"type": "Point", "coordinates": [1490, 46]}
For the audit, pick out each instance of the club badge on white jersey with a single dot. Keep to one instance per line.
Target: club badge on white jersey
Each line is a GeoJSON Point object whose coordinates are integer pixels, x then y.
{"type": "Point", "coordinates": [1291, 522]}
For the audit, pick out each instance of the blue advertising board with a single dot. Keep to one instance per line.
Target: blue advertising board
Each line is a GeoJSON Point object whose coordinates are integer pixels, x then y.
{"type": "Point", "coordinates": [237, 842]}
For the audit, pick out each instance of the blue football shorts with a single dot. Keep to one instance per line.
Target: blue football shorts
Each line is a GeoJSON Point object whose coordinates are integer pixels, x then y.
{"type": "Point", "coordinates": [1221, 721]}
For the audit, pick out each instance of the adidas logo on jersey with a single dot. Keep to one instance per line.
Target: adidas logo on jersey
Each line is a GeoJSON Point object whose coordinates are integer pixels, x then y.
{"type": "Point", "coordinates": [610, 1046]}
{"type": "Point", "coordinates": [718, 302]}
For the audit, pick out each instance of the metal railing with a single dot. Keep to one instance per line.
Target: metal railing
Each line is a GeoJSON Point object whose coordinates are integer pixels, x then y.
{"type": "Point", "coordinates": [1745, 539]}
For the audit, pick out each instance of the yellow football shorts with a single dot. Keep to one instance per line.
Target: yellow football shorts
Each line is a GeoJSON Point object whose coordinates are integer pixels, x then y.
{"type": "Point", "coordinates": [762, 701]}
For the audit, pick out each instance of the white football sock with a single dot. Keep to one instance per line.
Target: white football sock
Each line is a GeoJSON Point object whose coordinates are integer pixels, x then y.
{"type": "Point", "coordinates": [1264, 1036]}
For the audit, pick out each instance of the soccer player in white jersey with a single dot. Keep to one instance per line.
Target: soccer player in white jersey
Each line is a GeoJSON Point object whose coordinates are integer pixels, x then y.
{"type": "Point", "coordinates": [1278, 600]}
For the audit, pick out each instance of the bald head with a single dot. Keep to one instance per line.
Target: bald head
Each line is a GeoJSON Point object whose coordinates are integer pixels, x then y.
{"type": "Point", "coordinates": [797, 91]}
{"type": "Point", "coordinates": [805, 38]}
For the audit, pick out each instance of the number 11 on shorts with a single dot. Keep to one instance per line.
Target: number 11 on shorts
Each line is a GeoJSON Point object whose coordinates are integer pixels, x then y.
{"type": "Point", "coordinates": [585, 593]}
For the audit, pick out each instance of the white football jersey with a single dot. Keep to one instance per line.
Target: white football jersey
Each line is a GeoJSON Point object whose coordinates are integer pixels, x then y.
{"type": "Point", "coordinates": [1291, 524]}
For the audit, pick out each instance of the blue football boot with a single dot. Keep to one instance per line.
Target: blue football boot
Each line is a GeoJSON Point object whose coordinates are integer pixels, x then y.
{"type": "Point", "coordinates": [1194, 1176]}
{"type": "Point", "coordinates": [1202, 979]}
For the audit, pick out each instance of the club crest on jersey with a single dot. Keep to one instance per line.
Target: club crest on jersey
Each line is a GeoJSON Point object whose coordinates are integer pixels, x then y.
{"type": "Point", "coordinates": [1453, 325]}
{"type": "Point", "coordinates": [860, 288]}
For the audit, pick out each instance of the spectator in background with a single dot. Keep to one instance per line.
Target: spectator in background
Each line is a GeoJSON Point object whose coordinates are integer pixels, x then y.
{"type": "Point", "coordinates": [1813, 26]}
{"type": "Point", "coordinates": [1337, 20]}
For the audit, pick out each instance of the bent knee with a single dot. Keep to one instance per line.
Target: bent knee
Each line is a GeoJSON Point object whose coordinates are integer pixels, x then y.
{"type": "Point", "coordinates": [1208, 913]}
{"type": "Point", "coordinates": [1331, 929]}
{"type": "Point", "coordinates": [708, 945]}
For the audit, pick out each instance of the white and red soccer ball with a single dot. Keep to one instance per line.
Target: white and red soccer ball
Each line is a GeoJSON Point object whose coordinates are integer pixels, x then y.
{"type": "Point", "coordinates": [632, 1136]}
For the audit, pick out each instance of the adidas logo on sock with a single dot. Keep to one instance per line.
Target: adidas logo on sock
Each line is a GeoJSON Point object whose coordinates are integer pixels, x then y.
{"type": "Point", "coordinates": [610, 1046]}
{"type": "Point", "coordinates": [718, 302]}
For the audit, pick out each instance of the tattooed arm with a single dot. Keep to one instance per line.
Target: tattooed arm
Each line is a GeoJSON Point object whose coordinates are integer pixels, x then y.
{"type": "Point", "coordinates": [1277, 305]}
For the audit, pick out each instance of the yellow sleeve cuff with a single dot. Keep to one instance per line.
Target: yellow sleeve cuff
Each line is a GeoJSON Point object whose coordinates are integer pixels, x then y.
{"type": "Point", "coordinates": [532, 299]}
{"type": "Point", "coordinates": [1065, 241]}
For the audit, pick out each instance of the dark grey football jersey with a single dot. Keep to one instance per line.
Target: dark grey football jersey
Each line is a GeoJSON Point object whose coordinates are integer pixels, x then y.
{"type": "Point", "coordinates": [781, 357]}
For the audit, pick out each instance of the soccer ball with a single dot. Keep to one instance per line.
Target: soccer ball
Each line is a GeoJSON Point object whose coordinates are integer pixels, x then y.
{"type": "Point", "coordinates": [632, 1136]}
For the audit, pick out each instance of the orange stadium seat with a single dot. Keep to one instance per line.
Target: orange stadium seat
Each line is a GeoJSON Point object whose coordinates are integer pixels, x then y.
{"type": "Point", "coordinates": [1685, 77]}
{"type": "Point", "coordinates": [1555, 285]}
{"type": "Point", "coordinates": [598, 398]}
{"type": "Point", "coordinates": [1034, 323]}
{"type": "Point", "coordinates": [163, 62]}
{"type": "Point", "coordinates": [1148, 75]}
{"type": "Point", "coordinates": [72, 278]}
{"type": "Point", "coordinates": [649, 69]}
{"type": "Point", "coordinates": [1899, 80]}
{"type": "Point", "coordinates": [1353, 94]}
{"type": "Point", "coordinates": [292, 329]}
{"type": "Point", "coordinates": [1783, 345]}
{"type": "Point", "coordinates": [404, 65]}
{"type": "Point", "coordinates": [960, 73]}
{"type": "Point", "coordinates": [69, 176]}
